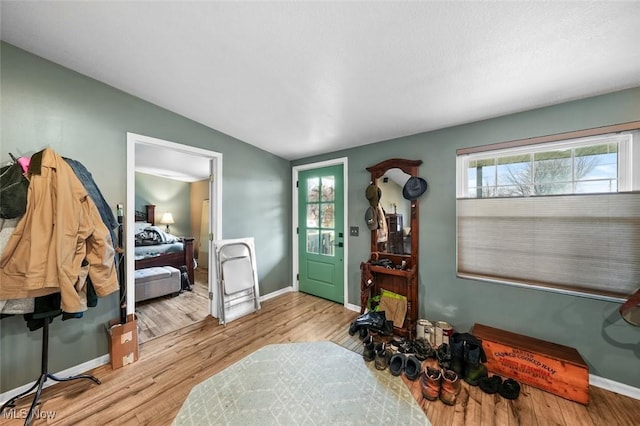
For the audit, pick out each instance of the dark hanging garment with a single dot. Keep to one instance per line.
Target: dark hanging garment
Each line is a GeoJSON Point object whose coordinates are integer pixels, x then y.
{"type": "Point", "coordinates": [90, 185]}
{"type": "Point", "coordinates": [13, 191]}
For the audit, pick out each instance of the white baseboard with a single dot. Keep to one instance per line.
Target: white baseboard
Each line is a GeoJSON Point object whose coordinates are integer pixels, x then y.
{"type": "Point", "coordinates": [617, 387]}
{"type": "Point", "coordinates": [276, 293]}
{"type": "Point", "coordinates": [352, 307]}
{"type": "Point", "coordinates": [72, 371]}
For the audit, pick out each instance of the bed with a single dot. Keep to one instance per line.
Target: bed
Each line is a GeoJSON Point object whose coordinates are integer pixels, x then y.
{"type": "Point", "coordinates": [154, 247]}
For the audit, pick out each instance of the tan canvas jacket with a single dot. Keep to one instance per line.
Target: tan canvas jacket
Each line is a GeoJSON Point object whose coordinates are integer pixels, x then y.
{"type": "Point", "coordinates": [60, 229]}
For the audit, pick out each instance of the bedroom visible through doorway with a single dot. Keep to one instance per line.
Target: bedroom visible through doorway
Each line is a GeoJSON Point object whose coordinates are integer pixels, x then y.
{"type": "Point", "coordinates": [169, 283]}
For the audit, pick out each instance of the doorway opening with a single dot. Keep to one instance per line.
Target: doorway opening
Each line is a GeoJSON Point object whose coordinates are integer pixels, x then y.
{"type": "Point", "coordinates": [182, 182]}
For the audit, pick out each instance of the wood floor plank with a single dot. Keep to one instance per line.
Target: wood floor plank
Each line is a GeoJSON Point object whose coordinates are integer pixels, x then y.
{"type": "Point", "coordinates": [523, 409]}
{"type": "Point", "coordinates": [502, 412]}
{"type": "Point", "coordinates": [598, 407]}
{"type": "Point", "coordinates": [473, 406]}
{"type": "Point", "coordinates": [152, 390]}
{"type": "Point", "coordinates": [162, 315]}
{"type": "Point", "coordinates": [618, 409]}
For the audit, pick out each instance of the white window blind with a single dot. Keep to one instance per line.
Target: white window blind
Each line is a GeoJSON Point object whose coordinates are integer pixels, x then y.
{"type": "Point", "coordinates": [583, 243]}
{"type": "Point", "coordinates": [513, 230]}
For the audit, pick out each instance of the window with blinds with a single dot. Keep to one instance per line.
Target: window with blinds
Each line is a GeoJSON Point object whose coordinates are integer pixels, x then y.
{"type": "Point", "coordinates": [563, 214]}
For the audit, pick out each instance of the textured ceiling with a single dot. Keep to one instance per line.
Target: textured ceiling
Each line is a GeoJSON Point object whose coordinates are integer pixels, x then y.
{"type": "Point", "coordinates": [303, 78]}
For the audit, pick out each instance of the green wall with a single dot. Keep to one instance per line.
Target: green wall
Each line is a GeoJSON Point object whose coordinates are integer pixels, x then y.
{"type": "Point", "coordinates": [46, 105]}
{"type": "Point", "coordinates": [168, 195]}
{"type": "Point", "coordinates": [608, 344]}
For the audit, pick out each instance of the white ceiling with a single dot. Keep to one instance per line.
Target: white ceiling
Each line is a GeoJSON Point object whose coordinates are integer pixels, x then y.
{"type": "Point", "coordinates": [303, 78]}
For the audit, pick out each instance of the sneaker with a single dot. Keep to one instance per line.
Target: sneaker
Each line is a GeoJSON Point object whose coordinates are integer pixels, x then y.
{"type": "Point", "coordinates": [430, 383]}
{"type": "Point", "coordinates": [450, 388]}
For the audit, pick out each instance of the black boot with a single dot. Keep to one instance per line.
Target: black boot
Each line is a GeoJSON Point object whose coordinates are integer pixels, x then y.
{"type": "Point", "coordinates": [368, 352]}
{"type": "Point", "coordinates": [443, 355]}
{"type": "Point", "coordinates": [474, 370]}
{"type": "Point", "coordinates": [457, 345]}
{"type": "Point", "coordinates": [371, 320]}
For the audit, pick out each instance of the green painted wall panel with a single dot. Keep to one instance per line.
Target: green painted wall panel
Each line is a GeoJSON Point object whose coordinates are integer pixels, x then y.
{"type": "Point", "coordinates": [46, 105]}
{"type": "Point", "coordinates": [606, 342]}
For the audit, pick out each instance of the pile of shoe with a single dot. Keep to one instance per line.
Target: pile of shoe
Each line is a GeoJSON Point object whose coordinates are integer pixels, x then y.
{"type": "Point", "coordinates": [400, 355]}
{"type": "Point", "coordinates": [462, 358]}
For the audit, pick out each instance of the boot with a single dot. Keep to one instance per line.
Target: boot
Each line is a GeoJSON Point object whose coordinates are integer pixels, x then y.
{"type": "Point", "coordinates": [430, 383]}
{"type": "Point", "coordinates": [443, 355]}
{"type": "Point", "coordinates": [386, 329]}
{"type": "Point", "coordinates": [368, 353]}
{"type": "Point", "coordinates": [383, 355]}
{"type": "Point", "coordinates": [451, 387]}
{"type": "Point", "coordinates": [457, 345]}
{"type": "Point", "coordinates": [475, 374]}
{"type": "Point", "coordinates": [423, 349]}
{"type": "Point", "coordinates": [473, 369]}
{"type": "Point", "coordinates": [363, 332]}
{"type": "Point", "coordinates": [369, 320]}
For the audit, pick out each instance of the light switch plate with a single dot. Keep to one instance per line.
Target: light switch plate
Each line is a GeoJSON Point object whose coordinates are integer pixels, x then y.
{"type": "Point", "coordinates": [354, 231]}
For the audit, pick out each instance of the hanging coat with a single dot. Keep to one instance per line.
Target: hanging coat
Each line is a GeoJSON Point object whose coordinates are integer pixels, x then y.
{"type": "Point", "coordinates": [59, 241]}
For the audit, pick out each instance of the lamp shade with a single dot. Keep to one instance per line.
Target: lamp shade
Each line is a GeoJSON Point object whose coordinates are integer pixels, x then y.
{"type": "Point", "coordinates": [167, 219]}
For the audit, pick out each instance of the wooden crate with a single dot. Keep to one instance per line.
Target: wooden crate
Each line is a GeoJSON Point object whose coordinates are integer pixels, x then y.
{"type": "Point", "coordinates": [554, 368]}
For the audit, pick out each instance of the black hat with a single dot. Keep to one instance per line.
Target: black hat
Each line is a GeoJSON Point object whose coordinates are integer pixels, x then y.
{"type": "Point", "coordinates": [415, 187]}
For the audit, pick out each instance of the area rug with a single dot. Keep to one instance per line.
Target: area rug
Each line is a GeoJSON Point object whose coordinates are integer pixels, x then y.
{"type": "Point", "coordinates": [316, 383]}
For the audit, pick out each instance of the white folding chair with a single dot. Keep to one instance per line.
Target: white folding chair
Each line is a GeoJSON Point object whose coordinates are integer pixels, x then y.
{"type": "Point", "coordinates": [237, 279]}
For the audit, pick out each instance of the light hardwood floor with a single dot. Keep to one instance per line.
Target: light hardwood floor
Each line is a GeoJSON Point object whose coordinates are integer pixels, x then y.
{"type": "Point", "coordinates": [152, 390]}
{"type": "Point", "coordinates": [162, 315]}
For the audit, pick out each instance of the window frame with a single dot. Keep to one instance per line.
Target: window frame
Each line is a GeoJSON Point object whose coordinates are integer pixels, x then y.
{"type": "Point", "coordinates": [626, 153]}
{"type": "Point", "coordinates": [628, 181]}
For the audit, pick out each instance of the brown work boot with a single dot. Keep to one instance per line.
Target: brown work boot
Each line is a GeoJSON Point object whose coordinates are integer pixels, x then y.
{"type": "Point", "coordinates": [430, 383]}
{"type": "Point", "coordinates": [450, 387]}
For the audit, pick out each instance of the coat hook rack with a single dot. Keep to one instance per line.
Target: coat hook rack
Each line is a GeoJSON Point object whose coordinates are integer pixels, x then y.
{"type": "Point", "coordinates": [44, 375]}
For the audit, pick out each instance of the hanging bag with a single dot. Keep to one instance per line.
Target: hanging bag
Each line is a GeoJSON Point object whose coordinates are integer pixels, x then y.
{"type": "Point", "coordinates": [13, 191]}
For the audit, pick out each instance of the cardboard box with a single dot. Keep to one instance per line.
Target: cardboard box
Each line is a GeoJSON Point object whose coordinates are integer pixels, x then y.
{"type": "Point", "coordinates": [554, 368]}
{"type": "Point", "coordinates": [123, 341]}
